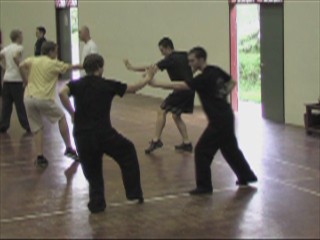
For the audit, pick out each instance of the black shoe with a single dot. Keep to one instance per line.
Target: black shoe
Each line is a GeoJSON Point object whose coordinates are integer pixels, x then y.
{"type": "Point", "coordinates": [187, 147]}
{"type": "Point", "coordinates": [153, 146]}
{"type": "Point", "coordinates": [245, 182]}
{"type": "Point", "coordinates": [140, 199]}
{"type": "Point", "coordinates": [97, 209]}
{"type": "Point", "coordinates": [200, 191]}
{"type": "Point", "coordinates": [41, 162]}
{"type": "Point", "coordinates": [71, 153]}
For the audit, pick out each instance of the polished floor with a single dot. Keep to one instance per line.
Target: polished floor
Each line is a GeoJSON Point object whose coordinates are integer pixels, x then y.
{"type": "Point", "coordinates": [51, 203]}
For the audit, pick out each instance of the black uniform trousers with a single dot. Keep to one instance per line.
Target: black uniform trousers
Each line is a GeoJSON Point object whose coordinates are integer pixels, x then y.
{"type": "Point", "coordinates": [12, 92]}
{"type": "Point", "coordinates": [219, 134]}
{"type": "Point", "coordinates": [91, 146]}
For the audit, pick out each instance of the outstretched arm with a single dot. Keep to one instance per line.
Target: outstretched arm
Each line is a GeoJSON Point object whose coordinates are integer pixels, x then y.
{"type": "Point", "coordinates": [134, 68]}
{"type": "Point", "coordinates": [62, 67]}
{"type": "Point", "coordinates": [174, 86]}
{"type": "Point", "coordinates": [148, 76]}
{"type": "Point", "coordinates": [77, 67]}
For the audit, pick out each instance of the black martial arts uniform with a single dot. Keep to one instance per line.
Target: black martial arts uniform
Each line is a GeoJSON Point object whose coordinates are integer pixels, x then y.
{"type": "Point", "coordinates": [94, 136]}
{"type": "Point", "coordinates": [220, 132]}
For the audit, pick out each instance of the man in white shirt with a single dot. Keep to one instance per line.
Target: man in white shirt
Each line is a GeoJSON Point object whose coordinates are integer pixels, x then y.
{"type": "Point", "coordinates": [89, 47]}
{"type": "Point", "coordinates": [13, 83]}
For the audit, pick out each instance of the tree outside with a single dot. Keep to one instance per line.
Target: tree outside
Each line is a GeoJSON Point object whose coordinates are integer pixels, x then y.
{"type": "Point", "coordinates": [248, 20]}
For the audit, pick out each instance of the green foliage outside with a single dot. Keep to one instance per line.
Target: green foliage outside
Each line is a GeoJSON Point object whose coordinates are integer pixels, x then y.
{"type": "Point", "coordinates": [249, 68]}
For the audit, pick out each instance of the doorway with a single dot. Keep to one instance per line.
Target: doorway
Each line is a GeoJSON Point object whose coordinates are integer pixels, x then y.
{"type": "Point", "coordinates": [248, 40]}
{"type": "Point", "coordinates": [256, 32]}
{"type": "Point", "coordinates": [68, 34]}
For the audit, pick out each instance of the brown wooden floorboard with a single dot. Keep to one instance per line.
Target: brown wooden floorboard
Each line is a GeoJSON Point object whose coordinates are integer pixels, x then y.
{"type": "Point", "coordinates": [284, 203]}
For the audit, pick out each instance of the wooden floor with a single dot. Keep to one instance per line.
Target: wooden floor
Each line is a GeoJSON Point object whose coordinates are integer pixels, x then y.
{"type": "Point", "coordinates": [47, 204]}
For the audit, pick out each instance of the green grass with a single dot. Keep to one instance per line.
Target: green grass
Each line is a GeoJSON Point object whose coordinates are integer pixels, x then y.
{"type": "Point", "coordinates": [249, 69]}
{"type": "Point", "coordinates": [251, 93]}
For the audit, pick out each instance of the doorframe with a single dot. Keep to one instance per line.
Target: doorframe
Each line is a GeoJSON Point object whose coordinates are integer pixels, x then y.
{"type": "Point", "coordinates": [234, 54]}
{"type": "Point", "coordinates": [233, 33]}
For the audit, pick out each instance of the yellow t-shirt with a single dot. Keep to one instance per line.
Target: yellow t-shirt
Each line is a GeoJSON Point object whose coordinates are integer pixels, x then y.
{"type": "Point", "coordinates": [43, 76]}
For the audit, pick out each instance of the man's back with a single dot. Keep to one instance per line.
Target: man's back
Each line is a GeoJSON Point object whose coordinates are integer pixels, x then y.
{"type": "Point", "coordinates": [12, 73]}
{"type": "Point", "coordinates": [44, 73]}
{"type": "Point", "coordinates": [93, 97]}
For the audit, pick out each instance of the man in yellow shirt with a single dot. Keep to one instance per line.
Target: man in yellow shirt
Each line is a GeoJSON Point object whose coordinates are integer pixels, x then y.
{"type": "Point", "coordinates": [40, 93]}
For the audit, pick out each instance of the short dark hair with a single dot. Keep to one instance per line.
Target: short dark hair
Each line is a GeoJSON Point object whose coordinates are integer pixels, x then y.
{"type": "Point", "coordinates": [15, 34]}
{"type": "Point", "coordinates": [199, 52]}
{"type": "Point", "coordinates": [42, 30]}
{"type": "Point", "coordinates": [92, 63]}
{"type": "Point", "coordinates": [48, 47]}
{"type": "Point", "coordinates": [166, 42]}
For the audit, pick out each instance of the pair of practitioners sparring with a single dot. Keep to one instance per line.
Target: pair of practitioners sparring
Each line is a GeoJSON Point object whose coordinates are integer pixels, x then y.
{"type": "Point", "coordinates": [95, 136]}
{"type": "Point", "coordinates": [179, 101]}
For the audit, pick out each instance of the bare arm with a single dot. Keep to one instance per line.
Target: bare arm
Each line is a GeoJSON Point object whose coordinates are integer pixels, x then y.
{"type": "Point", "coordinates": [24, 74]}
{"type": "Point", "coordinates": [62, 67]}
{"type": "Point", "coordinates": [2, 61]}
{"type": "Point", "coordinates": [148, 76]}
{"type": "Point", "coordinates": [17, 57]}
{"type": "Point", "coordinates": [134, 68]}
{"type": "Point", "coordinates": [64, 97]}
{"type": "Point", "coordinates": [24, 71]}
{"type": "Point", "coordinates": [174, 86]}
{"type": "Point", "coordinates": [77, 67]}
{"type": "Point", "coordinates": [70, 67]}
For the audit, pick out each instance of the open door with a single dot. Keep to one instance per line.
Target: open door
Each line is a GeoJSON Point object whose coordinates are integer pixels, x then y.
{"type": "Point", "coordinates": [67, 33]}
{"type": "Point", "coordinates": [272, 61]}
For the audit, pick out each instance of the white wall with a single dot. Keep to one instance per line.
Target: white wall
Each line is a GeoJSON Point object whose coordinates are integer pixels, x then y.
{"type": "Point", "coordinates": [133, 29]}
{"type": "Point", "coordinates": [129, 29]}
{"type": "Point", "coordinates": [302, 61]}
{"type": "Point", "coordinates": [26, 16]}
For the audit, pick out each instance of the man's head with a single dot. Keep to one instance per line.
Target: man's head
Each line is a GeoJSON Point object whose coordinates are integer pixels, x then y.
{"type": "Point", "coordinates": [197, 58]}
{"type": "Point", "coordinates": [84, 34]}
{"type": "Point", "coordinates": [49, 49]}
{"type": "Point", "coordinates": [93, 64]}
{"type": "Point", "coordinates": [166, 46]}
{"type": "Point", "coordinates": [16, 36]}
{"type": "Point", "coordinates": [40, 32]}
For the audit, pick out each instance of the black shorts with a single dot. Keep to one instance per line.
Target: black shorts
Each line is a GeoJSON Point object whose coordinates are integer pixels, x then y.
{"type": "Point", "coordinates": [179, 102]}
